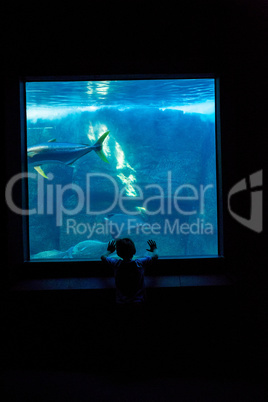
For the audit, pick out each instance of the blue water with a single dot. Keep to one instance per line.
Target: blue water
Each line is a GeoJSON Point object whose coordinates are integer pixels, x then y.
{"type": "Point", "coordinates": [160, 182]}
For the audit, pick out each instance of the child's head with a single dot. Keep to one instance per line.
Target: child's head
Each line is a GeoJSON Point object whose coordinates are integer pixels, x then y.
{"type": "Point", "coordinates": [125, 248]}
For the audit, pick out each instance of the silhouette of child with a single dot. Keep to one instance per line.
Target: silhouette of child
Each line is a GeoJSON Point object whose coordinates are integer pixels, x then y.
{"type": "Point", "coordinates": [129, 274]}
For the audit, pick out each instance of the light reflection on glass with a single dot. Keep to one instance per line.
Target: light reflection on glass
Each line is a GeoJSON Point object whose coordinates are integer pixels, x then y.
{"type": "Point", "coordinates": [90, 134]}
{"type": "Point", "coordinates": [120, 157]}
{"type": "Point", "coordinates": [127, 181]}
{"type": "Point", "coordinates": [122, 164]}
{"type": "Point", "coordinates": [98, 87]}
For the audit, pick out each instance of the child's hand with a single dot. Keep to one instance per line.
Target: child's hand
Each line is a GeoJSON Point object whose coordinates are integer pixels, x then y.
{"type": "Point", "coordinates": [111, 246]}
{"type": "Point", "coordinates": [152, 245]}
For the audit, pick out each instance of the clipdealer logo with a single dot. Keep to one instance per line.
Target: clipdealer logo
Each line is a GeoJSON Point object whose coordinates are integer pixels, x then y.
{"type": "Point", "coordinates": [186, 200]}
{"type": "Point", "coordinates": [255, 222]}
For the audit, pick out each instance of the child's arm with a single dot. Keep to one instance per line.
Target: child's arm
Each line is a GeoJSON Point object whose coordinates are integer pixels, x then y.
{"type": "Point", "coordinates": [153, 249]}
{"type": "Point", "coordinates": [110, 249]}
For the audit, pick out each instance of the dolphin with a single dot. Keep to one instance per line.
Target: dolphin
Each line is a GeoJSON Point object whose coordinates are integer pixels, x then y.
{"type": "Point", "coordinates": [53, 254]}
{"type": "Point", "coordinates": [60, 152]}
{"type": "Point", "coordinates": [88, 249]}
{"type": "Point", "coordinates": [84, 249]}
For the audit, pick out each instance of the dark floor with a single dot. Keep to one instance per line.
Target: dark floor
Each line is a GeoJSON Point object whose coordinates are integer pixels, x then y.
{"type": "Point", "coordinates": [66, 386]}
{"type": "Point", "coordinates": [192, 345]}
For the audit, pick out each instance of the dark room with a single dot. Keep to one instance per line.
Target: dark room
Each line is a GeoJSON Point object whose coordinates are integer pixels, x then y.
{"type": "Point", "coordinates": [136, 272]}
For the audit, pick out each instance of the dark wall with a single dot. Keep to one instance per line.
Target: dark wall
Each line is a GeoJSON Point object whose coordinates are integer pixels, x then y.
{"type": "Point", "coordinates": [226, 38]}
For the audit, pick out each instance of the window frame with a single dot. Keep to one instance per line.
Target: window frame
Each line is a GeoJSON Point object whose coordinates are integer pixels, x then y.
{"type": "Point", "coordinates": [165, 265]}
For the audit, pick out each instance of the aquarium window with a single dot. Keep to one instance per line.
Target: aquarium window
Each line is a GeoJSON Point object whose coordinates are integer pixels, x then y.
{"type": "Point", "coordinates": [117, 158]}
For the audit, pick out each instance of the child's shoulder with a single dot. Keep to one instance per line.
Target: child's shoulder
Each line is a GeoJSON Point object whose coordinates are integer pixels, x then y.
{"type": "Point", "coordinates": [113, 260]}
{"type": "Point", "coordinates": [143, 260]}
